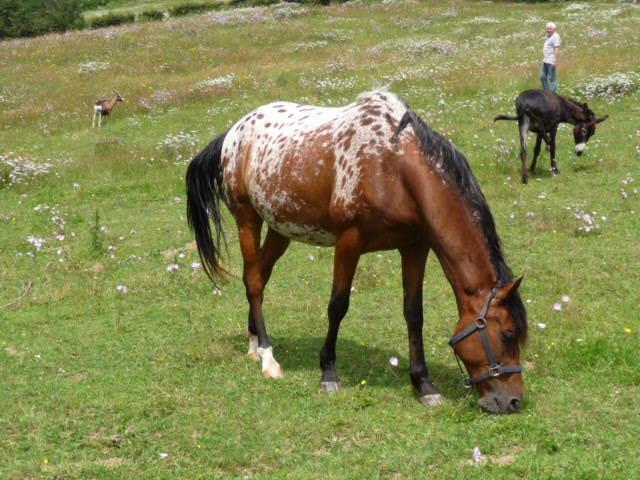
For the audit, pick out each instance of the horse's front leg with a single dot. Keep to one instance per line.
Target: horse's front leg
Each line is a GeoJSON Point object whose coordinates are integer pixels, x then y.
{"type": "Point", "coordinates": [414, 260]}
{"type": "Point", "coordinates": [249, 225]}
{"type": "Point", "coordinates": [345, 260]}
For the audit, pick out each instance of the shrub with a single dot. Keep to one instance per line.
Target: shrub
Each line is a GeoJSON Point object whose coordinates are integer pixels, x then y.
{"type": "Point", "coordinates": [191, 8]}
{"type": "Point", "coordinates": [25, 18]}
{"type": "Point", "coordinates": [253, 3]}
{"type": "Point", "coordinates": [111, 19]}
{"type": "Point", "coordinates": [151, 15]}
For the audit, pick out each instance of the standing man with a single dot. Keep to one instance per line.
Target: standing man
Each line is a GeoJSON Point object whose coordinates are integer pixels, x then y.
{"type": "Point", "coordinates": [550, 53]}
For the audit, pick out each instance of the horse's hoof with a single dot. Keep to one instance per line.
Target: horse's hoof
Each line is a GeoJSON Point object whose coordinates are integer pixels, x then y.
{"type": "Point", "coordinates": [432, 400]}
{"type": "Point", "coordinates": [272, 371]}
{"type": "Point", "coordinates": [554, 171]}
{"type": "Point", "coordinates": [525, 180]}
{"type": "Point", "coordinates": [330, 387]}
{"type": "Point", "coordinates": [253, 356]}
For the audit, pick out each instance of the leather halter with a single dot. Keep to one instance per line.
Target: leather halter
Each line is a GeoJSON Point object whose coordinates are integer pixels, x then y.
{"type": "Point", "coordinates": [480, 325]}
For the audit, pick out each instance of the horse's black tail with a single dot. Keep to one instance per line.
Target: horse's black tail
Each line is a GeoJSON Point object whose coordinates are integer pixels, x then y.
{"type": "Point", "coordinates": [205, 191]}
{"type": "Point", "coordinates": [505, 117]}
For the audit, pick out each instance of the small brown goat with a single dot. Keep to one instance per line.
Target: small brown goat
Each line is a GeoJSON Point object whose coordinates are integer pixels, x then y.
{"type": "Point", "coordinates": [102, 108]}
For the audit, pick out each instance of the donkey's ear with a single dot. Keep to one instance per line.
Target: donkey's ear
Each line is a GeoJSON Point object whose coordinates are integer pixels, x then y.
{"type": "Point", "coordinates": [601, 119]}
{"type": "Point", "coordinates": [507, 290]}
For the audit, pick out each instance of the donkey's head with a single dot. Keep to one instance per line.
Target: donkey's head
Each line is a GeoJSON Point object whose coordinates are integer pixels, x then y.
{"type": "Point", "coordinates": [488, 339]}
{"type": "Point", "coordinates": [585, 129]}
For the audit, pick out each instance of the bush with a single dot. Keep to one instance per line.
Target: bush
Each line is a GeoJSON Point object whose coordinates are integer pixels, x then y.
{"type": "Point", "coordinates": [111, 19]}
{"type": "Point", "coordinates": [252, 3]}
{"type": "Point", "coordinates": [151, 15]}
{"type": "Point", "coordinates": [25, 18]}
{"type": "Point", "coordinates": [190, 8]}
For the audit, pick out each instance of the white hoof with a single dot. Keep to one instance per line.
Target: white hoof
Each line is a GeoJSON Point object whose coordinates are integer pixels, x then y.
{"type": "Point", "coordinates": [330, 387]}
{"type": "Point", "coordinates": [270, 368]}
{"type": "Point", "coordinates": [432, 400]}
{"type": "Point", "coordinates": [253, 348]}
{"type": "Point", "coordinates": [273, 371]}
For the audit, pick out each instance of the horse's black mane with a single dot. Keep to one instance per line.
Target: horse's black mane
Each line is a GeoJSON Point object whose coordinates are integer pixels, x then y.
{"type": "Point", "coordinates": [454, 166]}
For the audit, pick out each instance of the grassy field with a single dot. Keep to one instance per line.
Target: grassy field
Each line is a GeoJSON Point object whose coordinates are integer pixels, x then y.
{"type": "Point", "coordinates": [138, 6]}
{"type": "Point", "coordinates": [115, 364]}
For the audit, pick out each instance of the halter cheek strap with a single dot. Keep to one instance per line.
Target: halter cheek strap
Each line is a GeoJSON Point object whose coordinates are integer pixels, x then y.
{"type": "Point", "coordinates": [480, 325]}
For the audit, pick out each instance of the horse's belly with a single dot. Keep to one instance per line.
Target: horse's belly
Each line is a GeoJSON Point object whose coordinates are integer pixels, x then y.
{"type": "Point", "coordinates": [291, 217]}
{"type": "Point", "coordinates": [304, 233]}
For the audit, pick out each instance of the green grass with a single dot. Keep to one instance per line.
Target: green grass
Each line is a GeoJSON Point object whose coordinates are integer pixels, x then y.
{"type": "Point", "coordinates": [96, 383]}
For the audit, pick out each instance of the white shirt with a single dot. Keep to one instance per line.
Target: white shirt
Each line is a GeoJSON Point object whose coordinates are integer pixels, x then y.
{"type": "Point", "coordinates": [549, 49]}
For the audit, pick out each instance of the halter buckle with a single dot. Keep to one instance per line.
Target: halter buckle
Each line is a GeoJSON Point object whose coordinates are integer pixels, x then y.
{"type": "Point", "coordinates": [466, 382]}
{"type": "Point", "coordinates": [481, 322]}
{"type": "Point", "coordinates": [496, 371]}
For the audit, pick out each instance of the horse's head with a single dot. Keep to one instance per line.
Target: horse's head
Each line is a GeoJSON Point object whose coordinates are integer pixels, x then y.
{"type": "Point", "coordinates": [488, 339]}
{"type": "Point", "coordinates": [584, 129]}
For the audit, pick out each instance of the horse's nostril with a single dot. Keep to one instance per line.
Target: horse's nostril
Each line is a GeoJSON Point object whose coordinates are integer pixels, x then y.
{"type": "Point", "coordinates": [514, 405]}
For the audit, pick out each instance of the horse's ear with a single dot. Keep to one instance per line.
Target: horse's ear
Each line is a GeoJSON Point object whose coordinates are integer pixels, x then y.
{"type": "Point", "coordinates": [509, 289]}
{"type": "Point", "coordinates": [601, 119]}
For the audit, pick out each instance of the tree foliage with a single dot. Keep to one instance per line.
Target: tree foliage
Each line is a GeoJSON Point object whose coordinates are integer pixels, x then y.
{"type": "Point", "coordinates": [26, 18]}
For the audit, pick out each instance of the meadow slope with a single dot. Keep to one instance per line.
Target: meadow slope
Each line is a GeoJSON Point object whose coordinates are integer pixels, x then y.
{"type": "Point", "coordinates": [118, 359]}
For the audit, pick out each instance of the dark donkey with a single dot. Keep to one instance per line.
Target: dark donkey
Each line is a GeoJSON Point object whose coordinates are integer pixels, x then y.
{"type": "Point", "coordinates": [359, 179]}
{"type": "Point", "coordinates": [541, 111]}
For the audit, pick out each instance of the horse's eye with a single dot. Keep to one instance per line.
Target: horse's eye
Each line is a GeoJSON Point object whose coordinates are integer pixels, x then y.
{"type": "Point", "coordinates": [508, 337]}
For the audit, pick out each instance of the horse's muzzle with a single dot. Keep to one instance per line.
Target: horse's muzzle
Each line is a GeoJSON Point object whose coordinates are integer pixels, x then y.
{"type": "Point", "coordinates": [580, 148]}
{"type": "Point", "coordinates": [500, 404]}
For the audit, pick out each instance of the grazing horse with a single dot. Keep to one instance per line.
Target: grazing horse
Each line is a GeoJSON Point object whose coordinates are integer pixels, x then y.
{"type": "Point", "coordinates": [358, 179]}
{"type": "Point", "coordinates": [541, 111]}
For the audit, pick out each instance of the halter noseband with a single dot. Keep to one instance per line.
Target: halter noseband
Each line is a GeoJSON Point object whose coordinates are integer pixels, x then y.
{"type": "Point", "coordinates": [495, 369]}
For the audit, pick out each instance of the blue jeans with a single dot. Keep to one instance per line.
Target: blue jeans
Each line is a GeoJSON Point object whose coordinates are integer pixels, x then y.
{"type": "Point", "coordinates": [548, 77]}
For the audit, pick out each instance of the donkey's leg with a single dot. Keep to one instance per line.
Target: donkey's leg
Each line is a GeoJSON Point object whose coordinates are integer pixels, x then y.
{"type": "Point", "coordinates": [536, 152]}
{"type": "Point", "coordinates": [272, 249]}
{"type": "Point", "coordinates": [552, 151]}
{"type": "Point", "coordinates": [523, 124]}
{"type": "Point", "coordinates": [249, 225]}
{"type": "Point", "coordinates": [414, 260]}
{"type": "Point", "coordinates": [345, 261]}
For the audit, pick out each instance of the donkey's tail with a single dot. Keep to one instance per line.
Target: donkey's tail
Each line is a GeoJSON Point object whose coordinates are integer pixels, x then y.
{"type": "Point", "coordinates": [205, 191]}
{"type": "Point", "coordinates": [505, 117]}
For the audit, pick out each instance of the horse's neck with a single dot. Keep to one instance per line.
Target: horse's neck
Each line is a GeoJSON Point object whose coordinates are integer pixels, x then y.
{"type": "Point", "coordinates": [572, 113]}
{"type": "Point", "coordinates": [463, 253]}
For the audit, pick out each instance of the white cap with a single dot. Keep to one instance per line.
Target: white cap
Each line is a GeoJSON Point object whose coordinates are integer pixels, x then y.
{"type": "Point", "coordinates": [551, 25]}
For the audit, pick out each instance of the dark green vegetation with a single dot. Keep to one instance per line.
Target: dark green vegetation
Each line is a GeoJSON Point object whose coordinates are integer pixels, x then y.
{"type": "Point", "coordinates": [27, 18]}
{"type": "Point", "coordinates": [98, 382]}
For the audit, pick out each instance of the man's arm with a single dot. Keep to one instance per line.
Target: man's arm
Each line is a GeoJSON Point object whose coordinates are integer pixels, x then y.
{"type": "Point", "coordinates": [557, 50]}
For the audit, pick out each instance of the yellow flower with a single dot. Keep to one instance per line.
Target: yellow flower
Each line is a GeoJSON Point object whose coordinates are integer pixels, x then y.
{"type": "Point", "coordinates": [627, 330]}
{"type": "Point", "coordinates": [45, 461]}
{"type": "Point", "coordinates": [363, 382]}
{"type": "Point", "coordinates": [361, 343]}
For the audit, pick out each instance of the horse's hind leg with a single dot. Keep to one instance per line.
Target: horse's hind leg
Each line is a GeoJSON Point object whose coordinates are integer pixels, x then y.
{"type": "Point", "coordinates": [346, 256]}
{"type": "Point", "coordinates": [536, 152]}
{"type": "Point", "coordinates": [552, 152]}
{"type": "Point", "coordinates": [523, 124]}
{"type": "Point", "coordinates": [413, 265]}
{"type": "Point", "coordinates": [249, 225]}
{"type": "Point", "coordinates": [272, 249]}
